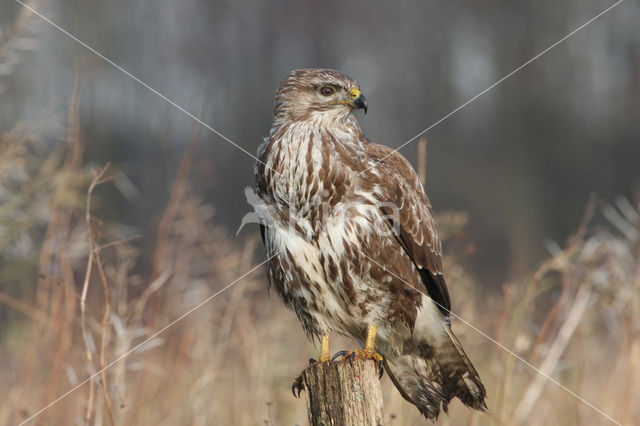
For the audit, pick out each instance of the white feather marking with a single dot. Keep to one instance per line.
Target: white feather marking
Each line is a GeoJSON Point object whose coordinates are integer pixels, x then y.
{"type": "Point", "coordinates": [430, 322]}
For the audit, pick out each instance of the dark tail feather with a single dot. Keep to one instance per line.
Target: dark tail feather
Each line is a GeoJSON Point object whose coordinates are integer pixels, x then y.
{"type": "Point", "coordinates": [430, 376]}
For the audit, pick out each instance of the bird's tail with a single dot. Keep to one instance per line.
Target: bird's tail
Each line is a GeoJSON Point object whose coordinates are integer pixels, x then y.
{"type": "Point", "coordinates": [429, 375]}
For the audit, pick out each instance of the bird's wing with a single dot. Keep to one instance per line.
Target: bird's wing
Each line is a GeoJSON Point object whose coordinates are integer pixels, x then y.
{"type": "Point", "coordinates": [407, 207]}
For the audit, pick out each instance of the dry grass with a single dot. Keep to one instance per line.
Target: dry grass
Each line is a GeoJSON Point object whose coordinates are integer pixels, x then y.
{"type": "Point", "coordinates": [77, 296]}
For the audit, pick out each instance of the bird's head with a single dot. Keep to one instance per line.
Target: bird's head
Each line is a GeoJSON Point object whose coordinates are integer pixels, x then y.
{"type": "Point", "coordinates": [319, 95]}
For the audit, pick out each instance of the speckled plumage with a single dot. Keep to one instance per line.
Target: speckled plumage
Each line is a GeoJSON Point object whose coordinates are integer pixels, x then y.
{"type": "Point", "coordinates": [334, 200]}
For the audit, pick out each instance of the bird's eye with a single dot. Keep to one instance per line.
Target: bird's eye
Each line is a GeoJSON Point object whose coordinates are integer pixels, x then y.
{"type": "Point", "coordinates": [327, 90]}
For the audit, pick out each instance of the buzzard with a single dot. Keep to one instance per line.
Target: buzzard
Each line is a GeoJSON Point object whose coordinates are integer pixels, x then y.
{"type": "Point", "coordinates": [358, 249]}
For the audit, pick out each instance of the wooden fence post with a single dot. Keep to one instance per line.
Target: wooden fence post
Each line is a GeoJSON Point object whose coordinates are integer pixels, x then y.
{"type": "Point", "coordinates": [339, 393]}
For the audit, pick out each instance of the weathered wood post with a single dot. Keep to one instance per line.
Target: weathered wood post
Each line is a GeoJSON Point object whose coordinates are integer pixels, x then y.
{"type": "Point", "coordinates": [339, 393]}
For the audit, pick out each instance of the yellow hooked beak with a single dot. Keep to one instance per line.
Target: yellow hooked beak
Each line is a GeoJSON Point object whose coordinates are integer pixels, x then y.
{"type": "Point", "coordinates": [358, 100]}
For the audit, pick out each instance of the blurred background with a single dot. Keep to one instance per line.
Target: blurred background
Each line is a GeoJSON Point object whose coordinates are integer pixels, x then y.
{"type": "Point", "coordinates": [536, 185]}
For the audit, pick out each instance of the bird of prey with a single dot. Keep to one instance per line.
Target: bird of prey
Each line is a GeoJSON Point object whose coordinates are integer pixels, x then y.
{"type": "Point", "coordinates": [356, 243]}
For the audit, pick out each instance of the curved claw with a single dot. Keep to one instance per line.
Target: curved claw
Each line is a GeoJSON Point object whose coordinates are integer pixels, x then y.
{"type": "Point", "coordinates": [297, 385]}
{"type": "Point", "coordinates": [339, 354]}
{"type": "Point", "coordinates": [352, 355]}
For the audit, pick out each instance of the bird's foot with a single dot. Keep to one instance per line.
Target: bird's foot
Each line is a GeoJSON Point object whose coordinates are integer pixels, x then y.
{"type": "Point", "coordinates": [297, 386]}
{"type": "Point", "coordinates": [362, 354]}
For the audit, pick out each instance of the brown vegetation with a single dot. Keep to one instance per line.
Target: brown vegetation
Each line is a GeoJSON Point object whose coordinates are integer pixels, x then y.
{"type": "Point", "coordinates": [77, 300]}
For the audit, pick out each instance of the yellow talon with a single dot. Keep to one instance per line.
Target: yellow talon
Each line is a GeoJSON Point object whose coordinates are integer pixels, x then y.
{"type": "Point", "coordinates": [370, 343]}
{"type": "Point", "coordinates": [369, 351]}
{"type": "Point", "coordinates": [361, 354]}
{"type": "Point", "coordinates": [325, 354]}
